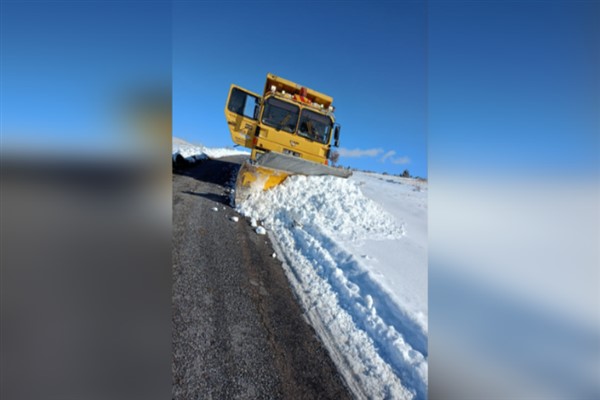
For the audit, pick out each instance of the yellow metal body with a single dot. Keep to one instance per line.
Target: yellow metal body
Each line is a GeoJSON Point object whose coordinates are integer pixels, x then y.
{"type": "Point", "coordinates": [290, 87]}
{"type": "Point", "coordinates": [252, 178]}
{"type": "Point", "coordinates": [244, 114]}
{"type": "Point", "coordinates": [249, 130]}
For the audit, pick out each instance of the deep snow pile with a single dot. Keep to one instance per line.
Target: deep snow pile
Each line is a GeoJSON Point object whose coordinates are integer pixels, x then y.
{"type": "Point", "coordinates": [342, 252]}
{"type": "Point", "coordinates": [332, 204]}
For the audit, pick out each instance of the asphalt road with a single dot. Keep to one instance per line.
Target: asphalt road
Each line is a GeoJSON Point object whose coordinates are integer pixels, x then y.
{"type": "Point", "coordinates": [238, 332]}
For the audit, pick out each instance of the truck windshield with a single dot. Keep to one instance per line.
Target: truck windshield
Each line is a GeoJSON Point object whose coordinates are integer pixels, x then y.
{"type": "Point", "coordinates": [315, 126]}
{"type": "Point", "coordinates": [280, 115]}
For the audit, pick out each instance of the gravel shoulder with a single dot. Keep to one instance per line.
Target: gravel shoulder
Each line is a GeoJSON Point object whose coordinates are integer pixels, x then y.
{"type": "Point", "coordinates": [238, 331]}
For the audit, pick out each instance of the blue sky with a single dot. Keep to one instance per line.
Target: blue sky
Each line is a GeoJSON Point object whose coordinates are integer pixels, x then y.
{"type": "Point", "coordinates": [370, 57]}
{"type": "Point", "coordinates": [514, 86]}
{"type": "Point", "coordinates": [68, 68]}
{"type": "Point", "coordinates": [435, 86]}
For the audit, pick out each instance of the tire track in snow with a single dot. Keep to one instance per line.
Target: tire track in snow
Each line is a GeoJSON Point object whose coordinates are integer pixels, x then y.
{"type": "Point", "coordinates": [390, 341]}
{"type": "Point", "coordinates": [387, 309]}
{"type": "Point", "coordinates": [352, 350]}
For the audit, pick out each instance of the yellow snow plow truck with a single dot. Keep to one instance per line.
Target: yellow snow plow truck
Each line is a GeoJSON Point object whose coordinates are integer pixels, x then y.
{"type": "Point", "coordinates": [290, 130]}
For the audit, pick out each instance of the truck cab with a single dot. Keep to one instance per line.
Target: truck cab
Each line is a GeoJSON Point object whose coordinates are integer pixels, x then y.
{"type": "Point", "coordinates": [288, 119]}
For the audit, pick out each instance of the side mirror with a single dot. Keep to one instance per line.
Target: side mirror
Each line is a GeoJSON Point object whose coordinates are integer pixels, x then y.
{"type": "Point", "coordinates": [336, 134]}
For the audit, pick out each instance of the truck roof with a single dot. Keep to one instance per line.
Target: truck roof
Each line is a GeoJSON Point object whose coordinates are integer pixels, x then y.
{"type": "Point", "coordinates": [282, 84]}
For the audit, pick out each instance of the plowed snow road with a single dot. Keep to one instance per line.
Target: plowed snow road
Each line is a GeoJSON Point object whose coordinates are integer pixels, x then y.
{"type": "Point", "coordinates": [237, 329]}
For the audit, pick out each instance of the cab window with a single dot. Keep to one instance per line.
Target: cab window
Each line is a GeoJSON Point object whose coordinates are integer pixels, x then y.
{"type": "Point", "coordinates": [280, 115]}
{"type": "Point", "coordinates": [315, 126]}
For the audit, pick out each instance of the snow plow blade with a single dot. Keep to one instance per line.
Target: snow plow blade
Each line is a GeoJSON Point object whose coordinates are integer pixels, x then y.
{"type": "Point", "coordinates": [271, 169]}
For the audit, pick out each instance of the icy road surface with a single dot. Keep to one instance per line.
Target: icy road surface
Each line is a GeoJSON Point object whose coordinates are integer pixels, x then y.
{"type": "Point", "coordinates": [355, 252]}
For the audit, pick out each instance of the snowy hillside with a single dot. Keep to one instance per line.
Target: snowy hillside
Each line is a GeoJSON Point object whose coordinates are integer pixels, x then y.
{"type": "Point", "coordinates": [355, 252]}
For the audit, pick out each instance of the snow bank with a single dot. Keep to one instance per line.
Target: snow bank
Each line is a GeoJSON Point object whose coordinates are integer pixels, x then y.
{"type": "Point", "coordinates": [224, 152]}
{"type": "Point", "coordinates": [321, 226]}
{"type": "Point", "coordinates": [193, 153]}
{"type": "Point", "coordinates": [333, 204]}
{"type": "Point", "coordinates": [188, 151]}
{"type": "Point", "coordinates": [403, 271]}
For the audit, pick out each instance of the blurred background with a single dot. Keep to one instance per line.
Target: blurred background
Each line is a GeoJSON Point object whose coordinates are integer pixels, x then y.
{"type": "Point", "coordinates": [86, 199]}
{"type": "Point", "coordinates": [513, 149]}
{"type": "Point", "coordinates": [513, 131]}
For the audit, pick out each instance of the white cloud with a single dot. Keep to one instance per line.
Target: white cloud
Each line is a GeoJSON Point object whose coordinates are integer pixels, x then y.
{"type": "Point", "coordinates": [395, 160]}
{"type": "Point", "coordinates": [360, 152]}
{"type": "Point", "coordinates": [401, 160]}
{"type": "Point", "coordinates": [387, 155]}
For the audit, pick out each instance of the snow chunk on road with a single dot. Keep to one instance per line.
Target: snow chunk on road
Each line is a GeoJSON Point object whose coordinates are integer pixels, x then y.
{"type": "Point", "coordinates": [261, 231]}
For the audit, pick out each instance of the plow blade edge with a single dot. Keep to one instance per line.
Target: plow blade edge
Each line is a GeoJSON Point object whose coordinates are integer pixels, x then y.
{"type": "Point", "coordinates": [270, 169]}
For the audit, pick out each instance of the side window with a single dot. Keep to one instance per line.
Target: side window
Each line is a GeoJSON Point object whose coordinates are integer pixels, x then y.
{"type": "Point", "coordinates": [243, 103]}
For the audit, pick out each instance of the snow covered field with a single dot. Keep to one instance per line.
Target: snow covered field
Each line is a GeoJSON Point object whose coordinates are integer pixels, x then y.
{"type": "Point", "coordinates": [355, 253]}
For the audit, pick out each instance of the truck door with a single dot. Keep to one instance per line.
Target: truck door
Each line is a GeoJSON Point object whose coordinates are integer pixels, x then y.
{"type": "Point", "coordinates": [242, 113]}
